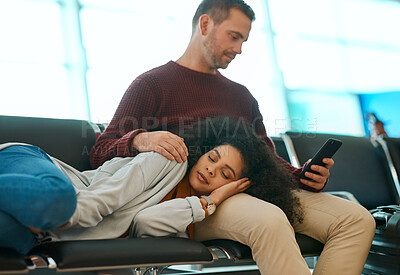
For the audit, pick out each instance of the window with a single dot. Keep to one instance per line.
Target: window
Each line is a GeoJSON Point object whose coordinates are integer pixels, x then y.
{"type": "Point", "coordinates": [123, 39]}
{"type": "Point", "coordinates": [33, 76]}
{"type": "Point", "coordinates": [304, 59]}
{"type": "Point", "coordinates": [330, 52]}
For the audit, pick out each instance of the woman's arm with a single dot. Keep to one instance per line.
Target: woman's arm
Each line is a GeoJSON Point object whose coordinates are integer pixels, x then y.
{"type": "Point", "coordinates": [120, 181]}
{"type": "Point", "coordinates": [173, 217]}
{"type": "Point", "coordinates": [168, 218]}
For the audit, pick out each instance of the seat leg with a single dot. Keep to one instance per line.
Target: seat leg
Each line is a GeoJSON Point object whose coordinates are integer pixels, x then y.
{"type": "Point", "coordinates": [154, 271]}
{"type": "Point", "coordinates": [150, 271]}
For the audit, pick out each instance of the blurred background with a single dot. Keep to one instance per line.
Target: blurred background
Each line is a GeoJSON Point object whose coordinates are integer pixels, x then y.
{"type": "Point", "coordinates": [313, 65]}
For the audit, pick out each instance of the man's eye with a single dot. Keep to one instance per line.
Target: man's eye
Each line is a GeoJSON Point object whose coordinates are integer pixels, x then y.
{"type": "Point", "coordinates": [235, 37]}
{"type": "Point", "coordinates": [211, 158]}
{"type": "Point", "coordinates": [224, 175]}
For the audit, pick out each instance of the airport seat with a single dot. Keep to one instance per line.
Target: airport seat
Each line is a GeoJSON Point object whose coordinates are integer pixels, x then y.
{"type": "Point", "coordinates": [12, 261]}
{"type": "Point", "coordinates": [391, 149]}
{"type": "Point", "coordinates": [358, 168]}
{"type": "Point", "coordinates": [66, 139]}
{"type": "Point", "coordinates": [280, 148]}
{"type": "Point", "coordinates": [70, 141]}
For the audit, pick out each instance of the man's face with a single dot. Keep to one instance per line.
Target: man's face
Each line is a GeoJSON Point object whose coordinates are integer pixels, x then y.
{"type": "Point", "coordinates": [224, 41]}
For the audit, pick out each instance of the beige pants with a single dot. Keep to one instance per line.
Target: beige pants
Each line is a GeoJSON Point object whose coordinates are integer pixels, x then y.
{"type": "Point", "coordinates": [346, 229]}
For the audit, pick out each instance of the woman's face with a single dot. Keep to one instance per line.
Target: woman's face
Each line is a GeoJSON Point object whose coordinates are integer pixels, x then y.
{"type": "Point", "coordinates": [216, 168]}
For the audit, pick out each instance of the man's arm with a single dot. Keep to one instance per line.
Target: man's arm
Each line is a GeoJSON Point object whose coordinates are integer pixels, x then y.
{"type": "Point", "coordinates": [137, 103]}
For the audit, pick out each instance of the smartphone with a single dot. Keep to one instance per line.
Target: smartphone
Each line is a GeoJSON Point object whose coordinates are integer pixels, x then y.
{"type": "Point", "coordinates": [326, 151]}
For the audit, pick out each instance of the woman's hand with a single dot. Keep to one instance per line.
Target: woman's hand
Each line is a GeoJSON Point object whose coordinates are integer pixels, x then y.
{"type": "Point", "coordinates": [35, 230]}
{"type": "Point", "coordinates": [228, 190]}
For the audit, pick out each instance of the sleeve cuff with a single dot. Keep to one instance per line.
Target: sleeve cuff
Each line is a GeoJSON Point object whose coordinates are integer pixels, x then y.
{"type": "Point", "coordinates": [198, 212]}
{"type": "Point", "coordinates": [124, 147]}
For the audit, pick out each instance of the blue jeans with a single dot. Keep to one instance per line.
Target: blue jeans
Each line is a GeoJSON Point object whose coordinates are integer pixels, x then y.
{"type": "Point", "coordinates": [33, 192]}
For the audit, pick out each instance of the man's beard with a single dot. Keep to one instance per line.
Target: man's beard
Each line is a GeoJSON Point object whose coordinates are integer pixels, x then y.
{"type": "Point", "coordinates": [211, 52]}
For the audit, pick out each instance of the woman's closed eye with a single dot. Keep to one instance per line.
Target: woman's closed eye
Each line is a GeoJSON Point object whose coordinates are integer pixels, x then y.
{"type": "Point", "coordinates": [224, 175]}
{"type": "Point", "coordinates": [214, 156]}
{"type": "Point", "coordinates": [215, 159]}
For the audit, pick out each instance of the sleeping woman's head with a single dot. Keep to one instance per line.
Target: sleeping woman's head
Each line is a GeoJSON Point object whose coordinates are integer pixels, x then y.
{"type": "Point", "coordinates": [222, 150]}
{"type": "Point", "coordinates": [219, 166]}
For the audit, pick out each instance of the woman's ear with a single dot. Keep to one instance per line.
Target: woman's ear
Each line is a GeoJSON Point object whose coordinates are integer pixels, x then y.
{"type": "Point", "coordinates": [205, 24]}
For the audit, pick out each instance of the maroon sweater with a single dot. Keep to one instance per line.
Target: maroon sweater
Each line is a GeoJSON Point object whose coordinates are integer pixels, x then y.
{"type": "Point", "coordinates": [170, 98]}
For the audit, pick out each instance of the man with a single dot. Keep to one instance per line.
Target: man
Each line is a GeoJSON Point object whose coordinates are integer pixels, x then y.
{"type": "Point", "coordinates": [161, 103]}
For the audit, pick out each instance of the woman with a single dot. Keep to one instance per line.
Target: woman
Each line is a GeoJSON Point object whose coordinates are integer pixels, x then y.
{"type": "Point", "coordinates": [147, 195]}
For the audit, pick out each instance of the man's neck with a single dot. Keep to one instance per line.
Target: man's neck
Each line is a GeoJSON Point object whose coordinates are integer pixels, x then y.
{"type": "Point", "coordinates": [193, 59]}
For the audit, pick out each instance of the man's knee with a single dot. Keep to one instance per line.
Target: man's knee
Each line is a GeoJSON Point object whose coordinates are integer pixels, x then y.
{"type": "Point", "coordinates": [367, 221]}
{"type": "Point", "coordinates": [361, 220]}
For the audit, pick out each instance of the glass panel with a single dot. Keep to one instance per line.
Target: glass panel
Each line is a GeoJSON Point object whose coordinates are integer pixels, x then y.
{"type": "Point", "coordinates": [32, 90]}
{"type": "Point", "coordinates": [30, 31]}
{"type": "Point", "coordinates": [106, 89]}
{"type": "Point", "coordinates": [119, 39]}
{"type": "Point", "coordinates": [374, 69]}
{"type": "Point", "coordinates": [386, 108]}
{"type": "Point", "coordinates": [121, 45]}
{"type": "Point", "coordinates": [326, 113]}
{"type": "Point", "coordinates": [376, 22]}
{"type": "Point", "coordinates": [161, 7]}
{"type": "Point", "coordinates": [311, 17]}
{"type": "Point", "coordinates": [310, 64]}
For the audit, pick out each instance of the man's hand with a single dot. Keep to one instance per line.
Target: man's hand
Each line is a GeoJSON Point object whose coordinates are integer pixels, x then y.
{"type": "Point", "coordinates": [321, 175]}
{"type": "Point", "coordinates": [228, 190]}
{"type": "Point", "coordinates": [167, 144]}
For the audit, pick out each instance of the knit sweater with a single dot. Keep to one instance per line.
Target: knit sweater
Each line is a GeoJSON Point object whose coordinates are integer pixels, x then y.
{"type": "Point", "coordinates": [170, 98]}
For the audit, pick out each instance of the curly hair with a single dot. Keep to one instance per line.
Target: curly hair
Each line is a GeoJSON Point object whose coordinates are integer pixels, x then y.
{"type": "Point", "coordinates": [271, 181]}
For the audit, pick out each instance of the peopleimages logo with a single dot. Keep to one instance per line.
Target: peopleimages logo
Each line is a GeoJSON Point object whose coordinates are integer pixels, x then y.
{"type": "Point", "coordinates": [180, 125]}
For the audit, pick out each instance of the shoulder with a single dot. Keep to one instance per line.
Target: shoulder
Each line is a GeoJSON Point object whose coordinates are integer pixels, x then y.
{"type": "Point", "coordinates": [157, 165]}
{"type": "Point", "coordinates": [151, 166]}
{"type": "Point", "coordinates": [233, 84]}
{"type": "Point", "coordinates": [155, 159]}
{"type": "Point", "coordinates": [148, 85]}
{"type": "Point", "coordinates": [157, 73]}
{"type": "Point", "coordinates": [237, 89]}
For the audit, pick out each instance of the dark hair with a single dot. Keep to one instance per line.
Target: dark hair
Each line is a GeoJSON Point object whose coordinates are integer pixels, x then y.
{"type": "Point", "coordinates": [219, 10]}
{"type": "Point", "coordinates": [272, 182]}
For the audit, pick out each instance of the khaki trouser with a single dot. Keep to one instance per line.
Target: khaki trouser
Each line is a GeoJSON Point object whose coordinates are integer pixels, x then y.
{"type": "Point", "coordinates": [346, 229]}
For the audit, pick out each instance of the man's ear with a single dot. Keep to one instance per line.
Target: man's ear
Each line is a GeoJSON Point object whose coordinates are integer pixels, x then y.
{"type": "Point", "coordinates": [205, 24]}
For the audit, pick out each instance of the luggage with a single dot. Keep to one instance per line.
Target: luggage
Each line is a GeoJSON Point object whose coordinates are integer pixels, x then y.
{"type": "Point", "coordinates": [384, 256]}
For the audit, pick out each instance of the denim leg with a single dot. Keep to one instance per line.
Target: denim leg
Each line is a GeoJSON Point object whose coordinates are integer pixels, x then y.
{"type": "Point", "coordinates": [33, 190]}
{"type": "Point", "coordinates": [15, 235]}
